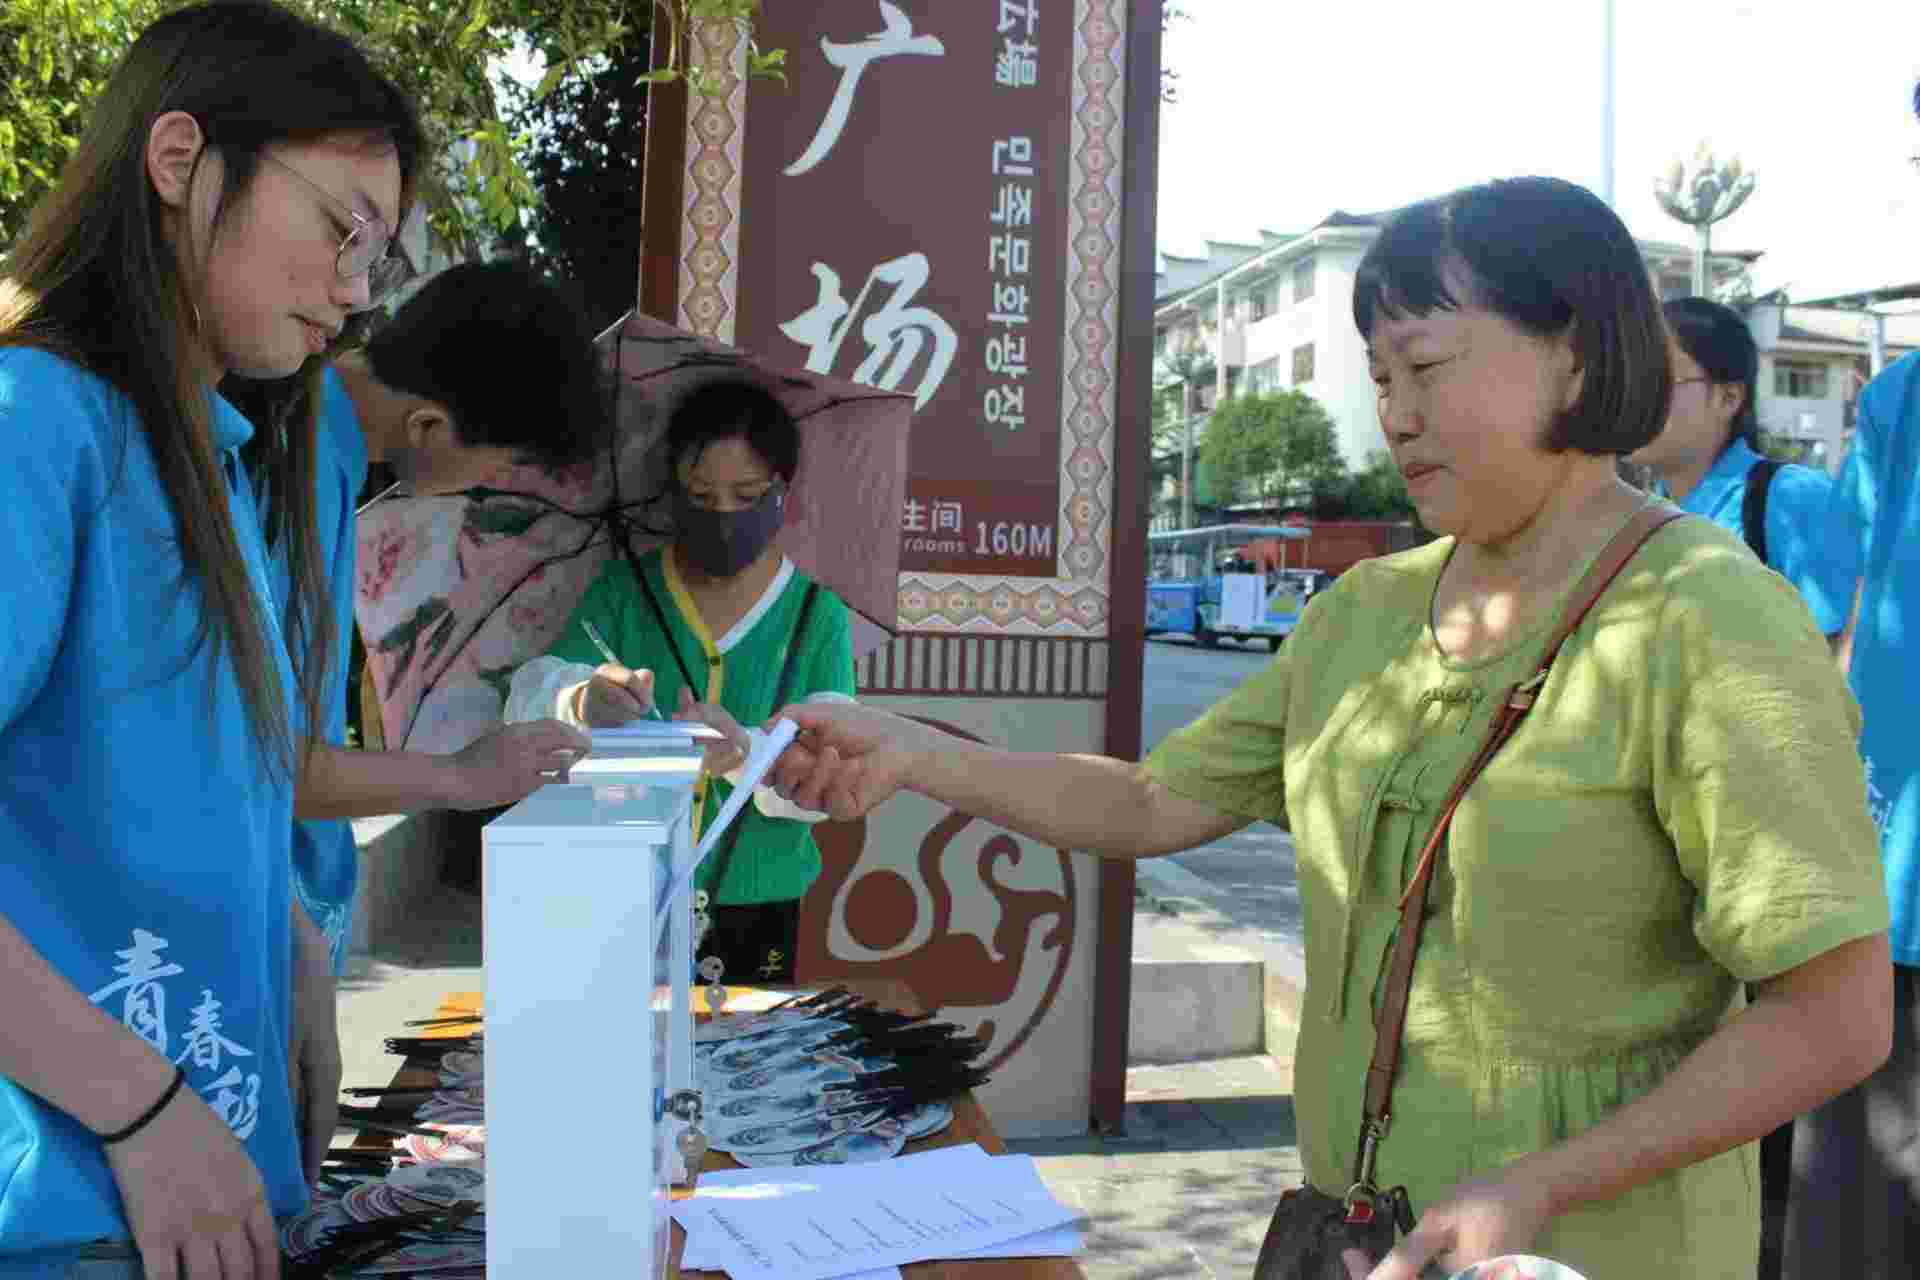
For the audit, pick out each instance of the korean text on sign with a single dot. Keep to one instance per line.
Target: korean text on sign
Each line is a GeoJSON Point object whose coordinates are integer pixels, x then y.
{"type": "Point", "coordinates": [1017, 66]}
{"type": "Point", "coordinates": [1010, 259]}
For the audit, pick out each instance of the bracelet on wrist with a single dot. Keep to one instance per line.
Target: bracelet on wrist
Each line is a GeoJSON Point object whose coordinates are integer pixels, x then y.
{"type": "Point", "coordinates": [148, 1116]}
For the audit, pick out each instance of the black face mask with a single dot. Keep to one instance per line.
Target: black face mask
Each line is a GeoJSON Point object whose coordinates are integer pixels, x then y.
{"type": "Point", "coordinates": [722, 543]}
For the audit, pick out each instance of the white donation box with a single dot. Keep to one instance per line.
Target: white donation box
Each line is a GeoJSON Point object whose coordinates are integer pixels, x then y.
{"type": "Point", "coordinates": [589, 953]}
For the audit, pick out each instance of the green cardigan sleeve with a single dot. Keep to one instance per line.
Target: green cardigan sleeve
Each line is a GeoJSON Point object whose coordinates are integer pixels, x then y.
{"type": "Point", "coordinates": [830, 648]}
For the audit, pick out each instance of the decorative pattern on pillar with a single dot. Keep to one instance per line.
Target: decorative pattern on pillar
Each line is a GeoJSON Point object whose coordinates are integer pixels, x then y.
{"type": "Point", "coordinates": [1075, 603]}
{"type": "Point", "coordinates": [716, 126]}
{"type": "Point", "coordinates": [1093, 294]}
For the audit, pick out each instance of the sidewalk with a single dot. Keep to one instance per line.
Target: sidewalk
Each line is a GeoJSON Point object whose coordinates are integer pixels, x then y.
{"type": "Point", "coordinates": [1187, 1190]}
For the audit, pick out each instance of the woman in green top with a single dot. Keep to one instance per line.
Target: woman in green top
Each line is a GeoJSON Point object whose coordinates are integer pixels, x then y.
{"type": "Point", "coordinates": [720, 626]}
{"type": "Point", "coordinates": [1683, 812]}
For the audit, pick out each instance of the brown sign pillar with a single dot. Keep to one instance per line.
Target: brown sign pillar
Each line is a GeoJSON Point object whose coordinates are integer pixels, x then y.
{"type": "Point", "coordinates": [956, 202]}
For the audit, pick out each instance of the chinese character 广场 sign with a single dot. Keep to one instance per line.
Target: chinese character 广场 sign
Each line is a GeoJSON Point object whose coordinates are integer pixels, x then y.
{"type": "Point", "coordinates": [905, 225]}
{"type": "Point", "coordinates": [895, 333]}
{"type": "Point", "coordinates": [894, 39]}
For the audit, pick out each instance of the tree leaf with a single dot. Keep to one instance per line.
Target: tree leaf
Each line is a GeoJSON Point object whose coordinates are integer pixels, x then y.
{"type": "Point", "coordinates": [555, 74]}
{"type": "Point", "coordinates": [475, 24]}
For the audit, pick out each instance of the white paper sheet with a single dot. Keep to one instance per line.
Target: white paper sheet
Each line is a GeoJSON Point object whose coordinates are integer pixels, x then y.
{"type": "Point", "coordinates": [859, 1220]}
{"type": "Point", "coordinates": [766, 750]}
{"type": "Point", "coordinates": [1057, 1242]}
{"type": "Point", "coordinates": [646, 732]}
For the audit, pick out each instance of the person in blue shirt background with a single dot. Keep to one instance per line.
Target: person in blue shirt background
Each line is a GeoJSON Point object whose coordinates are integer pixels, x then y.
{"type": "Point", "coordinates": [486, 366]}
{"type": "Point", "coordinates": [170, 1062]}
{"type": "Point", "coordinates": [1856, 1160]}
{"type": "Point", "coordinates": [1707, 459]}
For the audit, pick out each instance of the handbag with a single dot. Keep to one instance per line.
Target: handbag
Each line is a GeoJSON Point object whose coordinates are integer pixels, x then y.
{"type": "Point", "coordinates": [1311, 1229]}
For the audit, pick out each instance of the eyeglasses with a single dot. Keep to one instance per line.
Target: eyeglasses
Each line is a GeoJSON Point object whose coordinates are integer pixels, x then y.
{"type": "Point", "coordinates": [365, 250]}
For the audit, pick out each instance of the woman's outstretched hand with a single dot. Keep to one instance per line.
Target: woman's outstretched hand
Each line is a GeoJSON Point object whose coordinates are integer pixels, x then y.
{"type": "Point", "coordinates": [849, 758]}
{"type": "Point", "coordinates": [1484, 1218]}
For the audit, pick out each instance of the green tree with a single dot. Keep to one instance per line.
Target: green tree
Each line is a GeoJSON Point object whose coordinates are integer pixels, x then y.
{"type": "Point", "coordinates": [1376, 492]}
{"type": "Point", "coordinates": [1170, 13]}
{"type": "Point", "coordinates": [1784, 448]}
{"type": "Point", "coordinates": [1184, 365]}
{"type": "Point", "coordinates": [1273, 449]}
{"type": "Point", "coordinates": [583, 151]}
{"type": "Point", "coordinates": [54, 57]}
{"type": "Point", "coordinates": [56, 54]}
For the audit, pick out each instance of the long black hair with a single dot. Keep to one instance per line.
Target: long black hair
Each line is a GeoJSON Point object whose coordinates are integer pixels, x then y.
{"type": "Point", "coordinates": [93, 278]}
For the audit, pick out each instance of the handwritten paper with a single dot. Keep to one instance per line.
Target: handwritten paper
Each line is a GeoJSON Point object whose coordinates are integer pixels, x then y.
{"type": "Point", "coordinates": [864, 1221]}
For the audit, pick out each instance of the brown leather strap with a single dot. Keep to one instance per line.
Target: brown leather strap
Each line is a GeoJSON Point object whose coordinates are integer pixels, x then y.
{"type": "Point", "coordinates": [1513, 709]}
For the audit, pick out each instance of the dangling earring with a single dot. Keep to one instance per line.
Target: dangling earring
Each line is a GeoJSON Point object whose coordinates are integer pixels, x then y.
{"type": "Point", "coordinates": [195, 307]}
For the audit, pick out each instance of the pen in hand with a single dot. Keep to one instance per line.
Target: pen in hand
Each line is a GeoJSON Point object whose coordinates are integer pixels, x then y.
{"type": "Point", "coordinates": [606, 651]}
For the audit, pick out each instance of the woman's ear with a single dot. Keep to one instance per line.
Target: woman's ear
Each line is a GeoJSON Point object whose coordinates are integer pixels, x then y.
{"type": "Point", "coordinates": [174, 146]}
{"type": "Point", "coordinates": [424, 423]}
{"type": "Point", "coordinates": [1732, 397]}
{"type": "Point", "coordinates": [1573, 369]}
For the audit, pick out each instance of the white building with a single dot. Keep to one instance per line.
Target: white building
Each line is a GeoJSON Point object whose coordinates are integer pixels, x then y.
{"type": "Point", "coordinates": [1813, 362]}
{"type": "Point", "coordinates": [1279, 315]}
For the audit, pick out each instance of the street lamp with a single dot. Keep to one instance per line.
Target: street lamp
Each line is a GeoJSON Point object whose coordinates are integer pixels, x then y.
{"type": "Point", "coordinates": [1712, 193]}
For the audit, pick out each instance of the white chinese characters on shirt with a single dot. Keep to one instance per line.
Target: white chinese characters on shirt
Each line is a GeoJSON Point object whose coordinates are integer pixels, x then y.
{"type": "Point", "coordinates": [1879, 804]}
{"type": "Point", "coordinates": [893, 40]}
{"type": "Point", "coordinates": [234, 1096]}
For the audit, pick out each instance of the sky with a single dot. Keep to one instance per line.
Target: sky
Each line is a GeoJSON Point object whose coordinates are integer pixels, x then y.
{"type": "Point", "coordinates": [1286, 111]}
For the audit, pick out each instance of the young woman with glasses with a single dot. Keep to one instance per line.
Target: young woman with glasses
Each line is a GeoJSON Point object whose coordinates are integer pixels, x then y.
{"type": "Point", "coordinates": [169, 1063]}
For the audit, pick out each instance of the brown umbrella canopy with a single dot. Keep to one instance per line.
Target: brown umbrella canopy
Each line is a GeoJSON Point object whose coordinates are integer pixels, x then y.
{"type": "Point", "coordinates": [455, 593]}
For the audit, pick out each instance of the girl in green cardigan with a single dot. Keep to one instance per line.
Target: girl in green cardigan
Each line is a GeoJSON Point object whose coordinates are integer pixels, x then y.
{"type": "Point", "coordinates": [709, 625]}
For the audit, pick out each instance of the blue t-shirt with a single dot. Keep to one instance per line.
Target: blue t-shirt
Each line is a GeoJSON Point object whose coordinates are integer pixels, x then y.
{"type": "Point", "coordinates": [144, 835]}
{"type": "Point", "coordinates": [1876, 517]}
{"type": "Point", "coordinates": [325, 863]}
{"type": "Point", "coordinates": [1798, 548]}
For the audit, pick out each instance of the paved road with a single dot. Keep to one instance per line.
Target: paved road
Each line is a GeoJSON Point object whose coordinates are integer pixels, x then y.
{"type": "Point", "coordinates": [1247, 878]}
{"type": "Point", "coordinates": [1183, 680]}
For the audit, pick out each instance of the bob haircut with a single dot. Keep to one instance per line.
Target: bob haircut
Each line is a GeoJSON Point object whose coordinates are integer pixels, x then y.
{"type": "Point", "coordinates": [1547, 256]}
{"type": "Point", "coordinates": [1722, 345]}
{"type": "Point", "coordinates": [733, 408]}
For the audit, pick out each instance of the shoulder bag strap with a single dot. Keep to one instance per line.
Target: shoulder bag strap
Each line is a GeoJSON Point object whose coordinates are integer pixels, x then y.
{"type": "Point", "coordinates": [1413, 904]}
{"type": "Point", "coordinates": [660, 617]}
{"type": "Point", "coordinates": [1753, 506]}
